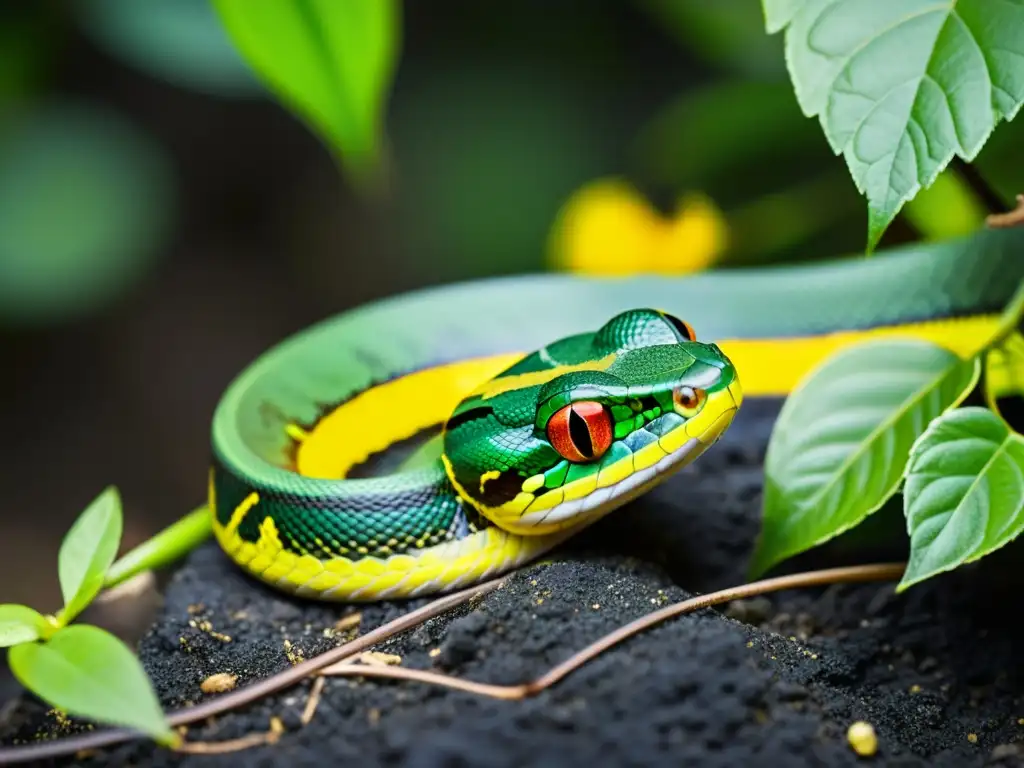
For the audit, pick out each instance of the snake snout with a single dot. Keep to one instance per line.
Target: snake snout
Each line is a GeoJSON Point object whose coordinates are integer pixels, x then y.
{"type": "Point", "coordinates": [736, 391]}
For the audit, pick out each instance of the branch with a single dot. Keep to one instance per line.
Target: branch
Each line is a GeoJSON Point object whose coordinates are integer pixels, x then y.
{"type": "Point", "coordinates": [1014, 218]}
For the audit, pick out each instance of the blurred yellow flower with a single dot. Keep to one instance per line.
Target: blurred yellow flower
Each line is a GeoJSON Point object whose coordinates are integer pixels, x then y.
{"type": "Point", "coordinates": [608, 228]}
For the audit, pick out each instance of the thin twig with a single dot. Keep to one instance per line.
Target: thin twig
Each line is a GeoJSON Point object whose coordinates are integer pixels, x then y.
{"type": "Point", "coordinates": [881, 572]}
{"type": "Point", "coordinates": [508, 692]}
{"type": "Point", "coordinates": [313, 701]}
{"type": "Point", "coordinates": [1014, 218]}
{"type": "Point", "coordinates": [231, 745]}
{"type": "Point", "coordinates": [341, 657]}
{"type": "Point", "coordinates": [250, 693]}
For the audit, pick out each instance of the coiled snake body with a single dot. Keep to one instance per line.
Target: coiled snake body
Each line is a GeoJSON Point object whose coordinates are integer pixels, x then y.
{"type": "Point", "coordinates": [557, 398]}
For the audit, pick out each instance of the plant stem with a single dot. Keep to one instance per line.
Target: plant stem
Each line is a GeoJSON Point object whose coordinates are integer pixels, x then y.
{"type": "Point", "coordinates": [169, 545]}
{"type": "Point", "coordinates": [1009, 320]}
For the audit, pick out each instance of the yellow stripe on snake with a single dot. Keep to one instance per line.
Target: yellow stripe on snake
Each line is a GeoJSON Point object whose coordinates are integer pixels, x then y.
{"type": "Point", "coordinates": [544, 403]}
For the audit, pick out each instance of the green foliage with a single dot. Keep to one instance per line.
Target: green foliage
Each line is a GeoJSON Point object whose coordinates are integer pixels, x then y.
{"type": "Point", "coordinates": [902, 86]}
{"type": "Point", "coordinates": [839, 446]}
{"type": "Point", "coordinates": [331, 62]}
{"type": "Point", "coordinates": [88, 672]}
{"type": "Point", "coordinates": [20, 624]}
{"type": "Point", "coordinates": [964, 495]}
{"type": "Point", "coordinates": [84, 670]}
{"type": "Point", "coordinates": [88, 550]}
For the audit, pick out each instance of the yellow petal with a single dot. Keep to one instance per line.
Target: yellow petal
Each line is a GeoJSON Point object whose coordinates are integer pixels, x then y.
{"type": "Point", "coordinates": [607, 228]}
{"type": "Point", "coordinates": [694, 239]}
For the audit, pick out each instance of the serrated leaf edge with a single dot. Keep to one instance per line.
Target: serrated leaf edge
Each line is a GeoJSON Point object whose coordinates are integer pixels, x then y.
{"type": "Point", "coordinates": [759, 566]}
{"type": "Point", "coordinates": [935, 425]}
{"type": "Point", "coordinates": [878, 219]}
{"type": "Point", "coordinates": [890, 421]}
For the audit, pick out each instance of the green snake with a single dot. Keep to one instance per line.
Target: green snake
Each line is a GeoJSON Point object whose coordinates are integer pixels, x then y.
{"type": "Point", "coordinates": [541, 403]}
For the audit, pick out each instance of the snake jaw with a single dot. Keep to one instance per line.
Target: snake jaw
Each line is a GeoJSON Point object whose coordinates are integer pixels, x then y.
{"type": "Point", "coordinates": [568, 433]}
{"type": "Point", "coordinates": [697, 435]}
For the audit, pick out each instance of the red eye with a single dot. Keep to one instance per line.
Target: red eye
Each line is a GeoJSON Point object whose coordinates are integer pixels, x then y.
{"type": "Point", "coordinates": [684, 328]}
{"type": "Point", "coordinates": [581, 431]}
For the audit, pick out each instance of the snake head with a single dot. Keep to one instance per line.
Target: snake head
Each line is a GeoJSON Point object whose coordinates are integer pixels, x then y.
{"type": "Point", "coordinates": [589, 422]}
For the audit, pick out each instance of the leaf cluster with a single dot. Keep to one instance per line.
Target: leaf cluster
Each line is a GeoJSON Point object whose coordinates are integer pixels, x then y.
{"type": "Point", "coordinates": [901, 87]}
{"type": "Point", "coordinates": [81, 669]}
{"type": "Point", "coordinates": [882, 416]}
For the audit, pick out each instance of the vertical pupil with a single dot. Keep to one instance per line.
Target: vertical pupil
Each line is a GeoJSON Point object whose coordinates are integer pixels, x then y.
{"type": "Point", "coordinates": [684, 329]}
{"type": "Point", "coordinates": [579, 433]}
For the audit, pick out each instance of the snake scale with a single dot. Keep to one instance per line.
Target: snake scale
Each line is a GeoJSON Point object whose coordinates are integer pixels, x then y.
{"type": "Point", "coordinates": [541, 403]}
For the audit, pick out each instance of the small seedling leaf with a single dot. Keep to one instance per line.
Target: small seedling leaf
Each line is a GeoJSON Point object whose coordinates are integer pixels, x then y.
{"type": "Point", "coordinates": [842, 439]}
{"type": "Point", "coordinates": [88, 672]}
{"type": "Point", "coordinates": [964, 495]}
{"type": "Point", "coordinates": [88, 550]}
{"type": "Point", "coordinates": [20, 624]}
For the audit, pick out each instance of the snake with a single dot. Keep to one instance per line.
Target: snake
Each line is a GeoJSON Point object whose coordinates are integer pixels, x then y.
{"type": "Point", "coordinates": [524, 408]}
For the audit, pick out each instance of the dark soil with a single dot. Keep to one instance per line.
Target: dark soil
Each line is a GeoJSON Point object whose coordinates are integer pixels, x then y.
{"type": "Point", "coordinates": [776, 680]}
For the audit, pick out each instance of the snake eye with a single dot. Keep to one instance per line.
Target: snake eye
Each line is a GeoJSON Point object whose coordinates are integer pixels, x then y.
{"type": "Point", "coordinates": [581, 431]}
{"type": "Point", "coordinates": [684, 328]}
{"type": "Point", "coordinates": [688, 400]}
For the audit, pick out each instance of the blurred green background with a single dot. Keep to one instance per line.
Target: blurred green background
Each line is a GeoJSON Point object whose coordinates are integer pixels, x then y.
{"type": "Point", "coordinates": [163, 220]}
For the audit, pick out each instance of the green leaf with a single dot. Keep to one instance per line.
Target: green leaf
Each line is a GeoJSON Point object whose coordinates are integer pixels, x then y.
{"type": "Point", "coordinates": [778, 13]}
{"type": "Point", "coordinates": [88, 550]}
{"type": "Point", "coordinates": [20, 624]}
{"type": "Point", "coordinates": [1004, 371]}
{"type": "Point", "coordinates": [901, 86]}
{"type": "Point", "coordinates": [330, 62]}
{"type": "Point", "coordinates": [964, 495]}
{"type": "Point", "coordinates": [87, 672]}
{"type": "Point", "coordinates": [842, 439]}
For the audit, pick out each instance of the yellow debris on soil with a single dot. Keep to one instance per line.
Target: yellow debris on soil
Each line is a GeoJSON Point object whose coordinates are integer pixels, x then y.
{"type": "Point", "coordinates": [379, 659]}
{"type": "Point", "coordinates": [219, 683]}
{"type": "Point", "coordinates": [348, 622]}
{"type": "Point", "coordinates": [862, 738]}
